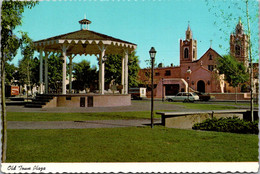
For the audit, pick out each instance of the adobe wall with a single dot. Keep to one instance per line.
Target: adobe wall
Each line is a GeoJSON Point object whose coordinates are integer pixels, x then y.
{"type": "Point", "coordinates": [109, 100]}
{"type": "Point", "coordinates": [73, 102]}
{"type": "Point", "coordinates": [231, 96]}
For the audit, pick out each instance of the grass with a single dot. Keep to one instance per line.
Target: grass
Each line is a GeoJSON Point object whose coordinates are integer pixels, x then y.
{"type": "Point", "coordinates": [32, 116]}
{"type": "Point", "coordinates": [204, 106]}
{"type": "Point", "coordinates": [236, 104]}
{"type": "Point", "coordinates": [133, 144]}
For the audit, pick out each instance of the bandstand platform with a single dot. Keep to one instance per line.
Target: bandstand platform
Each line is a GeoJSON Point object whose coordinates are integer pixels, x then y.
{"type": "Point", "coordinates": [80, 100]}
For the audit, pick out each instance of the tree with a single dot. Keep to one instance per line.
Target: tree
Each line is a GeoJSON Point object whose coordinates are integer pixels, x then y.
{"type": "Point", "coordinates": [230, 11]}
{"type": "Point", "coordinates": [11, 18]}
{"type": "Point", "coordinates": [10, 73]}
{"type": "Point", "coordinates": [27, 62]}
{"type": "Point", "coordinates": [85, 76]}
{"type": "Point", "coordinates": [133, 70]}
{"type": "Point", "coordinates": [55, 71]}
{"type": "Point", "coordinates": [234, 71]}
{"type": "Point", "coordinates": [113, 69]}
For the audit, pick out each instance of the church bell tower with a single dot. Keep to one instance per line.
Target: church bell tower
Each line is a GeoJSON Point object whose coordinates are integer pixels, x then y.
{"type": "Point", "coordinates": [188, 48]}
{"type": "Point", "coordinates": [239, 44]}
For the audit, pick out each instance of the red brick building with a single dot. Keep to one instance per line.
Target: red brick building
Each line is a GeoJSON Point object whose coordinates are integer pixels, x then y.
{"type": "Point", "coordinates": [197, 74]}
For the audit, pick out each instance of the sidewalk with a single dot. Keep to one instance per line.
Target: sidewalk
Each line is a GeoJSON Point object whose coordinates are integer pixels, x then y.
{"type": "Point", "coordinates": [136, 106]}
{"type": "Point", "coordinates": [79, 124]}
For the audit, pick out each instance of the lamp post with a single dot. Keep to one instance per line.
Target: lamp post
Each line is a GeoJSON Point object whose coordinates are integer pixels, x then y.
{"type": "Point", "coordinates": [189, 72]}
{"type": "Point", "coordinates": [152, 53]}
{"type": "Point", "coordinates": [162, 91]}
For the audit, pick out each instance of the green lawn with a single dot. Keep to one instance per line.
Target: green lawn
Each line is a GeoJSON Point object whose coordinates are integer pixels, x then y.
{"type": "Point", "coordinates": [204, 106]}
{"type": "Point", "coordinates": [129, 145]}
{"type": "Point", "coordinates": [32, 116]}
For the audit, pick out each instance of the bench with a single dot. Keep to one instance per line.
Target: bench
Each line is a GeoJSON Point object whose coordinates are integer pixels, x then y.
{"type": "Point", "coordinates": [187, 119]}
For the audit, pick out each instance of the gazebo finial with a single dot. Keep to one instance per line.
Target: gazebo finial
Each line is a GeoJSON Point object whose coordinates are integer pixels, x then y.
{"type": "Point", "coordinates": [84, 23]}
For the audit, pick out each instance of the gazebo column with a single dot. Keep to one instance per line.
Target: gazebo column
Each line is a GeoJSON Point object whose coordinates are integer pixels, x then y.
{"type": "Point", "coordinates": [41, 73]}
{"type": "Point", "coordinates": [123, 75]}
{"type": "Point", "coordinates": [102, 69]}
{"type": "Point", "coordinates": [126, 71]}
{"type": "Point", "coordinates": [46, 72]}
{"type": "Point", "coordinates": [70, 73]}
{"type": "Point", "coordinates": [64, 50]}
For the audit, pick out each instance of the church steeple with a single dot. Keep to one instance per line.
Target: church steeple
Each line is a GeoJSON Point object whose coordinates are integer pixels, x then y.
{"type": "Point", "coordinates": [188, 48]}
{"type": "Point", "coordinates": [239, 27]}
{"type": "Point", "coordinates": [239, 44]}
{"type": "Point", "coordinates": [188, 33]}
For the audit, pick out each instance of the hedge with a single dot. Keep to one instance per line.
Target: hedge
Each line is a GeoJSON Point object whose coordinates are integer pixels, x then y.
{"type": "Point", "coordinates": [228, 124]}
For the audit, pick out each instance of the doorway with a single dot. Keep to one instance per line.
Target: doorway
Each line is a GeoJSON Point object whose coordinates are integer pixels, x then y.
{"type": "Point", "coordinates": [82, 101]}
{"type": "Point", "coordinates": [172, 89]}
{"type": "Point", "coordinates": [201, 86]}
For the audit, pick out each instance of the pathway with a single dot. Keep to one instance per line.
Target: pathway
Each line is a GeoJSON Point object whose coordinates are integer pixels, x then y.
{"type": "Point", "coordinates": [136, 106]}
{"type": "Point", "coordinates": [79, 124]}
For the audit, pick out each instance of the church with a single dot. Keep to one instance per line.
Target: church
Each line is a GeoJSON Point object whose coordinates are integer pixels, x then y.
{"type": "Point", "coordinates": [195, 74]}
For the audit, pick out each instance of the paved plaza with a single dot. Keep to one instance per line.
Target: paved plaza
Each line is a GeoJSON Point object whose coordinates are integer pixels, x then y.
{"type": "Point", "coordinates": [136, 106]}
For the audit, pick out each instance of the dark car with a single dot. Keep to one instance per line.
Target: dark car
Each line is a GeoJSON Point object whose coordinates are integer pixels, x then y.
{"type": "Point", "coordinates": [203, 96]}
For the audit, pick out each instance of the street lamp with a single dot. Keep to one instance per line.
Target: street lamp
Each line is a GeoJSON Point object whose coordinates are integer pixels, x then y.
{"type": "Point", "coordinates": [152, 53]}
{"type": "Point", "coordinates": [162, 91]}
{"type": "Point", "coordinates": [189, 72]}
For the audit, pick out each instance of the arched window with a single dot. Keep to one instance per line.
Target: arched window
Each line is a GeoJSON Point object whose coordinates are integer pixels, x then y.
{"type": "Point", "coordinates": [210, 57]}
{"type": "Point", "coordinates": [237, 49]}
{"type": "Point", "coordinates": [186, 53]}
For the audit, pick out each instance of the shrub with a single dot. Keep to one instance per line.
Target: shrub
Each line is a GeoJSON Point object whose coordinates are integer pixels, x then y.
{"type": "Point", "coordinates": [229, 124]}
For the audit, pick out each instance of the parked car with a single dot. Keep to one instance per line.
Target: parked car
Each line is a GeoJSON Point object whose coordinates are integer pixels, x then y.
{"type": "Point", "coordinates": [203, 96]}
{"type": "Point", "coordinates": [183, 96]}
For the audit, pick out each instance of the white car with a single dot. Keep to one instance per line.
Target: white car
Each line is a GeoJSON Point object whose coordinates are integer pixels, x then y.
{"type": "Point", "coordinates": [183, 96]}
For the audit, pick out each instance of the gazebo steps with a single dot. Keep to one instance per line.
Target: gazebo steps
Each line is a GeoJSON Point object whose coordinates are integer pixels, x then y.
{"type": "Point", "coordinates": [43, 97]}
{"type": "Point", "coordinates": [39, 101]}
{"type": "Point", "coordinates": [32, 105]}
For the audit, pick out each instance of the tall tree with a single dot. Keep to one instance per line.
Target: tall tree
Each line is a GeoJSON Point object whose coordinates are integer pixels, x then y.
{"type": "Point", "coordinates": [113, 69]}
{"type": "Point", "coordinates": [11, 18]}
{"type": "Point", "coordinates": [85, 76]}
{"type": "Point", "coordinates": [234, 71]}
{"type": "Point", "coordinates": [27, 62]}
{"type": "Point", "coordinates": [227, 13]}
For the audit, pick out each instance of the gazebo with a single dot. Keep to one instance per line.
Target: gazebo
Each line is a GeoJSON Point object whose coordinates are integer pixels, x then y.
{"type": "Point", "coordinates": [84, 42]}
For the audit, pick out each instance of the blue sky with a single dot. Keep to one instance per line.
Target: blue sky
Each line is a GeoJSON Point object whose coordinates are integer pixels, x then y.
{"type": "Point", "coordinates": [159, 23]}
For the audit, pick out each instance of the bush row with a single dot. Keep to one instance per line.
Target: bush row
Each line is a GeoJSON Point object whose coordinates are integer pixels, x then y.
{"type": "Point", "coordinates": [228, 124]}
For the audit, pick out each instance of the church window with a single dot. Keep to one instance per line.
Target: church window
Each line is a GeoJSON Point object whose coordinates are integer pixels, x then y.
{"type": "Point", "coordinates": [186, 53]}
{"type": "Point", "coordinates": [210, 67]}
{"type": "Point", "coordinates": [193, 53]}
{"type": "Point", "coordinates": [237, 50]}
{"type": "Point", "coordinates": [157, 74]}
{"type": "Point", "coordinates": [167, 72]}
{"type": "Point", "coordinates": [210, 57]}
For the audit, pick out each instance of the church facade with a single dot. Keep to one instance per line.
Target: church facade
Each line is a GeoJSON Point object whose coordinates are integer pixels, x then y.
{"type": "Point", "coordinates": [195, 74]}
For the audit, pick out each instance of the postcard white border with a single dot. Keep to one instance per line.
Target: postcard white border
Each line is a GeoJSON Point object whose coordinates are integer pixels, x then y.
{"type": "Point", "coordinates": [130, 167]}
